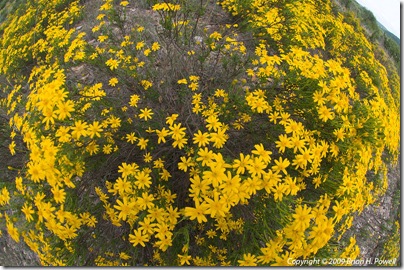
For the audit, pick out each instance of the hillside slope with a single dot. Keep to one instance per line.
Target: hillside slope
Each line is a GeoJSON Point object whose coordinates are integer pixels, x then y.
{"type": "Point", "coordinates": [374, 31]}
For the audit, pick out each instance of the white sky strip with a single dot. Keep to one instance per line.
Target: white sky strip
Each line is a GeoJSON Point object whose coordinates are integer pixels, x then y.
{"type": "Point", "coordinates": [387, 12]}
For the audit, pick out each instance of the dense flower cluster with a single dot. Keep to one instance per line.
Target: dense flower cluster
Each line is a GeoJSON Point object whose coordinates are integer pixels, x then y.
{"type": "Point", "coordinates": [158, 161]}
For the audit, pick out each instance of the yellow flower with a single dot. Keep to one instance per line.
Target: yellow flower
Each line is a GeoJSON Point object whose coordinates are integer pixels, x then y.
{"type": "Point", "coordinates": [125, 207]}
{"type": "Point", "coordinates": [146, 84]}
{"type": "Point", "coordinates": [19, 185]}
{"type": "Point", "coordinates": [217, 206]}
{"type": "Point", "coordinates": [28, 211]}
{"type": "Point", "coordinates": [252, 184]}
{"type": "Point", "coordinates": [281, 165]}
{"type": "Point", "coordinates": [58, 194]}
{"type": "Point", "coordinates": [161, 135]}
{"type": "Point", "coordinates": [169, 196]}
{"type": "Point", "coordinates": [193, 86]}
{"type": "Point", "coordinates": [11, 147]}
{"type": "Point", "coordinates": [100, 17]}
{"type": "Point", "coordinates": [36, 172]}
{"type": "Point", "coordinates": [4, 196]}
{"type": "Point", "coordinates": [102, 38]}
{"type": "Point", "coordinates": [170, 119]}
{"type": "Point", "coordinates": [131, 137]}
{"type": "Point", "coordinates": [106, 6]}
{"type": "Point", "coordinates": [115, 122]}
{"type": "Point", "coordinates": [107, 149]}
{"type": "Point", "coordinates": [123, 186]}
{"type": "Point", "coordinates": [146, 114]}
{"type": "Point", "coordinates": [127, 169]}
{"type": "Point", "coordinates": [140, 45]}
{"type": "Point", "coordinates": [340, 134]}
{"type": "Point", "coordinates": [278, 191]}
{"type": "Point", "coordinates": [13, 231]}
{"type": "Point", "coordinates": [147, 52]}
{"type": "Point", "coordinates": [185, 163]}
{"type": "Point", "coordinates": [142, 143]}
{"type": "Point", "coordinates": [198, 212]}
{"type": "Point", "coordinates": [274, 116]}
{"type": "Point", "coordinates": [198, 187]}
{"type": "Point", "coordinates": [268, 252]}
{"type": "Point", "coordinates": [261, 152]}
{"type": "Point", "coordinates": [248, 260]}
{"type": "Point", "coordinates": [79, 129]}
{"type": "Point", "coordinates": [205, 155]}
{"type": "Point", "coordinates": [124, 3]}
{"type": "Point", "coordinates": [215, 175]}
{"type": "Point", "coordinates": [166, 7]}
{"type": "Point", "coordinates": [155, 46]}
{"type": "Point", "coordinates": [256, 166]}
{"type": "Point", "coordinates": [94, 129]}
{"type": "Point", "coordinates": [293, 127]}
{"type": "Point", "coordinates": [219, 138]}
{"type": "Point", "coordinates": [220, 93]}
{"type": "Point", "coordinates": [172, 216]}
{"type": "Point", "coordinates": [298, 143]}
{"type": "Point", "coordinates": [184, 259]}
{"type": "Point", "coordinates": [290, 186]}
{"type": "Point", "coordinates": [113, 81]}
{"type": "Point", "coordinates": [182, 81]}
{"type": "Point", "coordinates": [201, 138]}
{"type": "Point", "coordinates": [318, 97]}
{"type": "Point", "coordinates": [302, 218]}
{"type": "Point", "coordinates": [142, 180]}
{"type": "Point", "coordinates": [138, 238]}
{"type": "Point", "coordinates": [242, 163]}
{"type": "Point", "coordinates": [213, 123]}
{"type": "Point", "coordinates": [147, 226]}
{"type": "Point", "coordinates": [177, 132]}
{"type": "Point", "coordinates": [322, 232]}
{"type": "Point", "coordinates": [146, 201]}
{"type": "Point", "coordinates": [158, 214]}
{"type": "Point", "coordinates": [231, 184]}
{"type": "Point", "coordinates": [334, 149]}
{"type": "Point", "coordinates": [339, 210]}
{"type": "Point", "coordinates": [164, 243]}
{"type": "Point", "coordinates": [64, 109]}
{"type": "Point", "coordinates": [215, 35]}
{"type": "Point", "coordinates": [134, 99]}
{"type": "Point", "coordinates": [325, 113]}
{"type": "Point", "coordinates": [112, 63]}
{"type": "Point", "coordinates": [211, 233]}
{"type": "Point", "coordinates": [49, 116]}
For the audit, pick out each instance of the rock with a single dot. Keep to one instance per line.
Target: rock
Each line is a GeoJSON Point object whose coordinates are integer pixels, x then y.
{"type": "Point", "coordinates": [16, 254]}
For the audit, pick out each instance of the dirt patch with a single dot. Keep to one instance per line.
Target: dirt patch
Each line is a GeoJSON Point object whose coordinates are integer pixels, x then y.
{"type": "Point", "coordinates": [374, 225]}
{"type": "Point", "coordinates": [16, 254]}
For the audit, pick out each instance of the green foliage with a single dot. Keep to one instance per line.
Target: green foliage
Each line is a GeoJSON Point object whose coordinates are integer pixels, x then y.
{"type": "Point", "coordinates": [357, 15]}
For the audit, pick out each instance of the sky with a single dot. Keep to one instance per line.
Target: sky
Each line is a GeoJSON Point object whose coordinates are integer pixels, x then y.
{"type": "Point", "coordinates": [387, 12]}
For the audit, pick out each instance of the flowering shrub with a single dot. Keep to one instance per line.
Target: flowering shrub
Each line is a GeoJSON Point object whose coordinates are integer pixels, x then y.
{"type": "Point", "coordinates": [189, 144]}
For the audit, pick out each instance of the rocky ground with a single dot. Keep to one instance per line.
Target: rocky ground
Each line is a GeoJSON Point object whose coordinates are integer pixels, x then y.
{"type": "Point", "coordinates": [16, 254]}
{"type": "Point", "coordinates": [374, 225]}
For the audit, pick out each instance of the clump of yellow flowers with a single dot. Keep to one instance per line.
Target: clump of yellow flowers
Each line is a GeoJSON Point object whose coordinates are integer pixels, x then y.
{"type": "Point", "coordinates": [192, 145]}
